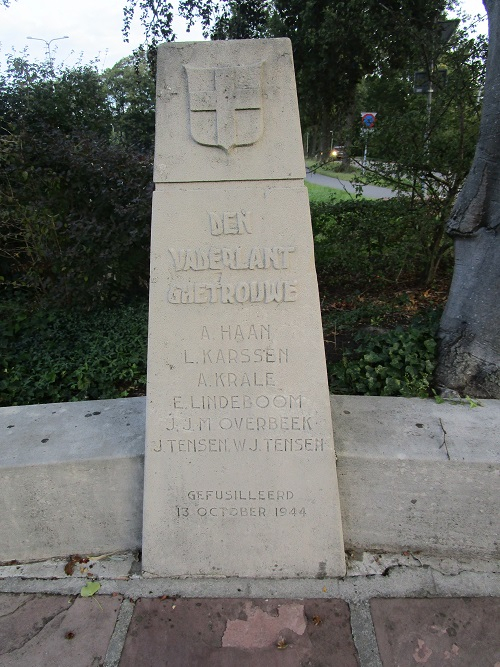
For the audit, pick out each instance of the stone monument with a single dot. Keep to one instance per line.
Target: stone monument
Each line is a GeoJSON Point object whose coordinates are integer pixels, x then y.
{"type": "Point", "coordinates": [240, 475]}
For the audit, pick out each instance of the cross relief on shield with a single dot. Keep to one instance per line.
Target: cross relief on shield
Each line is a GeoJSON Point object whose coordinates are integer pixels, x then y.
{"type": "Point", "coordinates": [225, 105]}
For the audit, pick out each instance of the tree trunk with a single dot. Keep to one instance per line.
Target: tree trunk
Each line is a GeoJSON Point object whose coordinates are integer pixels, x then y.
{"type": "Point", "coordinates": [469, 334]}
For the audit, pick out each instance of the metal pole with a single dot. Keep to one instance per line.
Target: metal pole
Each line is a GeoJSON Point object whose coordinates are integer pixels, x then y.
{"type": "Point", "coordinates": [428, 132]}
{"type": "Point", "coordinates": [48, 43]}
{"type": "Point", "coordinates": [365, 154]}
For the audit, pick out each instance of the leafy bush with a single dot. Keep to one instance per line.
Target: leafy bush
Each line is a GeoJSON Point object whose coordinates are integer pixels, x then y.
{"type": "Point", "coordinates": [75, 206]}
{"type": "Point", "coordinates": [74, 218]}
{"type": "Point", "coordinates": [58, 355]}
{"type": "Point", "coordinates": [393, 363]}
{"type": "Point", "coordinates": [363, 242]}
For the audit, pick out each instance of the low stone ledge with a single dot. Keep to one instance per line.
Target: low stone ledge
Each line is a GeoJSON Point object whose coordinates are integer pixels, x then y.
{"type": "Point", "coordinates": [418, 476]}
{"type": "Point", "coordinates": [414, 476]}
{"type": "Point", "coordinates": [71, 478]}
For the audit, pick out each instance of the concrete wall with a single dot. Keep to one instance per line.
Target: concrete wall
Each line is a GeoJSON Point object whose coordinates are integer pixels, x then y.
{"type": "Point", "coordinates": [71, 478]}
{"type": "Point", "coordinates": [418, 476]}
{"type": "Point", "coordinates": [413, 475]}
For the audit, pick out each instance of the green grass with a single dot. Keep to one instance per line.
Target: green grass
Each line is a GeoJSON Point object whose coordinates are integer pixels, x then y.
{"type": "Point", "coordinates": [320, 193]}
{"type": "Point", "coordinates": [330, 169]}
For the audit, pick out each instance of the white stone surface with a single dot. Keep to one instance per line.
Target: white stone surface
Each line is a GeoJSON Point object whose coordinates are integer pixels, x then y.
{"type": "Point", "coordinates": [419, 476]}
{"type": "Point", "coordinates": [71, 478]}
{"type": "Point", "coordinates": [107, 566]}
{"type": "Point", "coordinates": [248, 82]}
{"type": "Point", "coordinates": [240, 463]}
{"type": "Point", "coordinates": [46, 510]}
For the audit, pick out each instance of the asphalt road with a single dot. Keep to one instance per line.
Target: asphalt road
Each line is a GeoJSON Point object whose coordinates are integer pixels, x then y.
{"type": "Point", "coordinates": [372, 191]}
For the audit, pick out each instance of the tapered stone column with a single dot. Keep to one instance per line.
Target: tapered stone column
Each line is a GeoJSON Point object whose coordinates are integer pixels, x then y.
{"type": "Point", "coordinates": [240, 464]}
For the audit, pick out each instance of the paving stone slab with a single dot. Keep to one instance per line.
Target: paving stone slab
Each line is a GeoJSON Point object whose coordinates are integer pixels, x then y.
{"type": "Point", "coordinates": [438, 632]}
{"type": "Point", "coordinates": [56, 630]}
{"type": "Point", "coordinates": [247, 633]}
{"type": "Point", "coordinates": [114, 566]}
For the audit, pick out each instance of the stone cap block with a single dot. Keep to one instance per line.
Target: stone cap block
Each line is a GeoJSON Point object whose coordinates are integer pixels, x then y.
{"type": "Point", "coordinates": [385, 427]}
{"type": "Point", "coordinates": [217, 121]}
{"type": "Point", "coordinates": [57, 433]}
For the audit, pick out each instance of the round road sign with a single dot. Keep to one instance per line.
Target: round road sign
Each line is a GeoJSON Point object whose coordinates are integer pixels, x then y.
{"type": "Point", "coordinates": [369, 119]}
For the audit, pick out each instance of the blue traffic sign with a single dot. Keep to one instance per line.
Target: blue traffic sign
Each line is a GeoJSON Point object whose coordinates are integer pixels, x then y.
{"type": "Point", "coordinates": [368, 119]}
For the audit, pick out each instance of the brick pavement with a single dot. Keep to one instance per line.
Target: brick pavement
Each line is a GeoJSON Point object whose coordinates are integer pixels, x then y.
{"type": "Point", "coordinates": [42, 630]}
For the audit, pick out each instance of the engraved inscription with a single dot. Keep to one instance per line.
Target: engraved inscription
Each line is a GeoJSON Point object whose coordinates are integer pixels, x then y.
{"type": "Point", "coordinates": [216, 259]}
{"type": "Point", "coordinates": [267, 291]}
{"type": "Point", "coordinates": [270, 423]}
{"type": "Point", "coordinates": [235, 494]}
{"type": "Point", "coordinates": [225, 105]}
{"type": "Point", "coordinates": [257, 379]}
{"type": "Point", "coordinates": [218, 504]}
{"type": "Point", "coordinates": [238, 222]}
{"type": "Point", "coordinates": [232, 356]}
{"type": "Point", "coordinates": [237, 402]}
{"type": "Point", "coordinates": [238, 332]}
{"type": "Point", "coordinates": [233, 445]}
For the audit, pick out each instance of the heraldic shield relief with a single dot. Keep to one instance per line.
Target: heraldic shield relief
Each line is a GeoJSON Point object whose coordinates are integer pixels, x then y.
{"type": "Point", "coordinates": [225, 105]}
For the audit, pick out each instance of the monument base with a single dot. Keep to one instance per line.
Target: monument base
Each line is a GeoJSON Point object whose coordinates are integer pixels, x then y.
{"type": "Point", "coordinates": [81, 491]}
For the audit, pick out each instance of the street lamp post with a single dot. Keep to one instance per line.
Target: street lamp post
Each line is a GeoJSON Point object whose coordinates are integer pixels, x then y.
{"type": "Point", "coordinates": [48, 43]}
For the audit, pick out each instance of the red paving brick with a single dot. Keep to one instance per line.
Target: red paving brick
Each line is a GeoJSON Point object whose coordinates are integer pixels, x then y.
{"type": "Point", "coordinates": [55, 630]}
{"type": "Point", "coordinates": [440, 632]}
{"type": "Point", "coordinates": [239, 633]}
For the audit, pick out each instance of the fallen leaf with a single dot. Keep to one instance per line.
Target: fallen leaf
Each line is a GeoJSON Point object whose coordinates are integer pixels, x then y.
{"type": "Point", "coordinates": [317, 620]}
{"type": "Point", "coordinates": [69, 568]}
{"type": "Point", "coordinates": [281, 643]}
{"type": "Point", "coordinates": [324, 589]}
{"type": "Point", "coordinates": [90, 588]}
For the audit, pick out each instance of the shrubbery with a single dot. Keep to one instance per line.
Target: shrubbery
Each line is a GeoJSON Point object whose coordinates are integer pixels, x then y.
{"type": "Point", "coordinates": [58, 355]}
{"type": "Point", "coordinates": [400, 362]}
{"type": "Point", "coordinates": [75, 210]}
{"type": "Point", "coordinates": [365, 242]}
{"type": "Point", "coordinates": [75, 207]}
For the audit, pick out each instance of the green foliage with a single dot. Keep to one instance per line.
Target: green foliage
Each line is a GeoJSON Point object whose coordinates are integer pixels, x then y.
{"type": "Point", "coordinates": [393, 363]}
{"type": "Point", "coordinates": [90, 589]}
{"type": "Point", "coordinates": [365, 242]}
{"type": "Point", "coordinates": [240, 19]}
{"type": "Point", "coordinates": [336, 44]}
{"type": "Point", "coordinates": [74, 205]}
{"type": "Point", "coordinates": [321, 193]}
{"type": "Point", "coordinates": [427, 142]}
{"type": "Point", "coordinates": [131, 93]}
{"type": "Point", "coordinates": [68, 355]}
{"type": "Point", "coordinates": [34, 97]}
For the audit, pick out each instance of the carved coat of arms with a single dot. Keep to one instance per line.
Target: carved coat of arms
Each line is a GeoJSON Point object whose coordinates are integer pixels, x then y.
{"type": "Point", "coordinates": [225, 105]}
